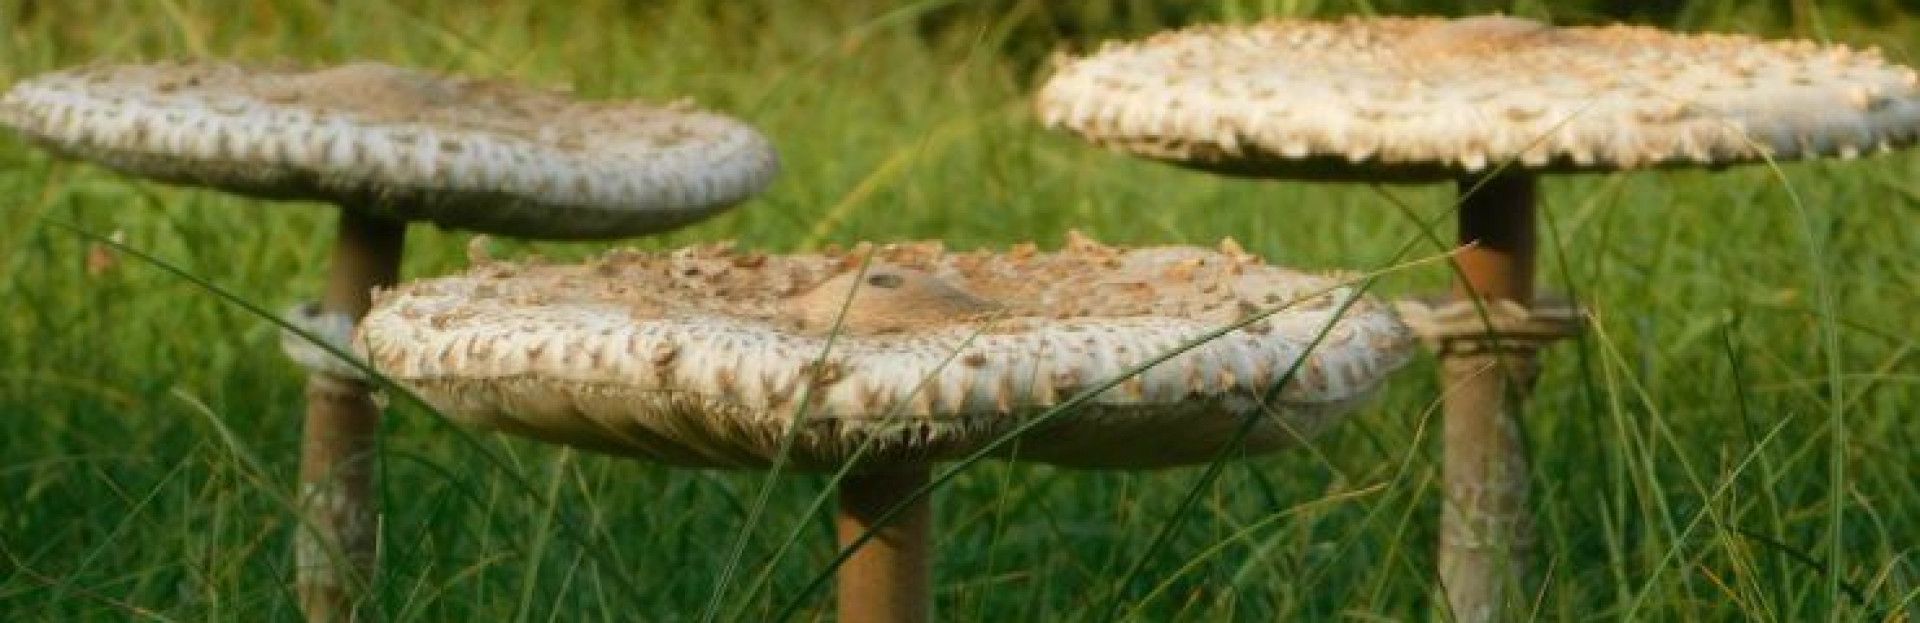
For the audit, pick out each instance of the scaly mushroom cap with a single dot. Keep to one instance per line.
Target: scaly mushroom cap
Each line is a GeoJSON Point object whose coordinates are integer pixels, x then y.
{"type": "Point", "coordinates": [1415, 99]}
{"type": "Point", "coordinates": [705, 356]}
{"type": "Point", "coordinates": [463, 153]}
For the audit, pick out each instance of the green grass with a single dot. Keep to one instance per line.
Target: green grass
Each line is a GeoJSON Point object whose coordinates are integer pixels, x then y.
{"type": "Point", "coordinates": [1722, 445]}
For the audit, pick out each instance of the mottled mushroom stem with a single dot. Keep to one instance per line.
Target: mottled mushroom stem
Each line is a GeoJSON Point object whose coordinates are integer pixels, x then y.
{"type": "Point", "coordinates": [889, 579]}
{"type": "Point", "coordinates": [1486, 530]}
{"type": "Point", "coordinates": [335, 545]}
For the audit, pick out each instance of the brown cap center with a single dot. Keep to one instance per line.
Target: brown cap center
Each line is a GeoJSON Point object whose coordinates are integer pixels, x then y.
{"type": "Point", "coordinates": [885, 299]}
{"type": "Point", "coordinates": [1491, 33]}
{"type": "Point", "coordinates": [371, 89]}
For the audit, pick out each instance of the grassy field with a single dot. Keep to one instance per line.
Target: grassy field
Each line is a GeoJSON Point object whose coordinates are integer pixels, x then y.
{"type": "Point", "coordinates": [1735, 438]}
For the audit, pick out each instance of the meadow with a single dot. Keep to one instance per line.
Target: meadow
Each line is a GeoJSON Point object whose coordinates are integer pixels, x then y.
{"type": "Point", "coordinates": [1734, 438]}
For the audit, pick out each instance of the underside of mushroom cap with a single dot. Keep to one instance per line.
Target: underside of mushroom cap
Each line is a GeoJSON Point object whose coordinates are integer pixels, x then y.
{"type": "Point", "coordinates": [469, 154]}
{"type": "Point", "coordinates": [1416, 99]}
{"type": "Point", "coordinates": [707, 356]}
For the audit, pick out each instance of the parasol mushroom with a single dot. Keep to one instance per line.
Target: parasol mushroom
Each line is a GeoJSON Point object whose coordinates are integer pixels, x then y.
{"type": "Point", "coordinates": [389, 145]}
{"type": "Point", "coordinates": [712, 358]}
{"type": "Point", "coordinates": [1488, 103]}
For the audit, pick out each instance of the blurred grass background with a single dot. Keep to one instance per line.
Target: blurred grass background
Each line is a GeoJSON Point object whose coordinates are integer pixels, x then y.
{"type": "Point", "coordinates": [1691, 451]}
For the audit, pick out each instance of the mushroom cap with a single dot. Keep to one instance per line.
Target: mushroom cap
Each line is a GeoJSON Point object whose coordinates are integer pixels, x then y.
{"type": "Point", "coordinates": [463, 153]}
{"type": "Point", "coordinates": [704, 356]}
{"type": "Point", "coordinates": [1420, 99]}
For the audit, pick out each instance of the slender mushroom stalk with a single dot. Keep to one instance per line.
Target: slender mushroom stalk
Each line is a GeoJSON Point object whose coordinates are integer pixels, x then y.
{"type": "Point", "coordinates": [1486, 529]}
{"type": "Point", "coordinates": [890, 578]}
{"type": "Point", "coordinates": [697, 358]}
{"type": "Point", "coordinates": [336, 548]}
{"type": "Point", "coordinates": [1417, 100]}
{"type": "Point", "coordinates": [388, 145]}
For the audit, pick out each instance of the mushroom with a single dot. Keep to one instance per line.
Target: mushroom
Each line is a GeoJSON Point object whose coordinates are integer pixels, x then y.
{"type": "Point", "coordinates": [712, 358]}
{"type": "Point", "coordinates": [389, 145]}
{"type": "Point", "coordinates": [1488, 103]}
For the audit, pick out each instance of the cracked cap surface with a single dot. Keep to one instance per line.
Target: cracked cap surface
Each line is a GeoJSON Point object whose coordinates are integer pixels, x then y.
{"type": "Point", "coordinates": [705, 356]}
{"type": "Point", "coordinates": [463, 153]}
{"type": "Point", "coordinates": [1416, 99]}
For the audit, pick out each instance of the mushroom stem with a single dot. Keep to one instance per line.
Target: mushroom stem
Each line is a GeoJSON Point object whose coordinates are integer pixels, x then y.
{"type": "Point", "coordinates": [889, 579]}
{"type": "Point", "coordinates": [1486, 529]}
{"type": "Point", "coordinates": [1497, 217]}
{"type": "Point", "coordinates": [335, 545]}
